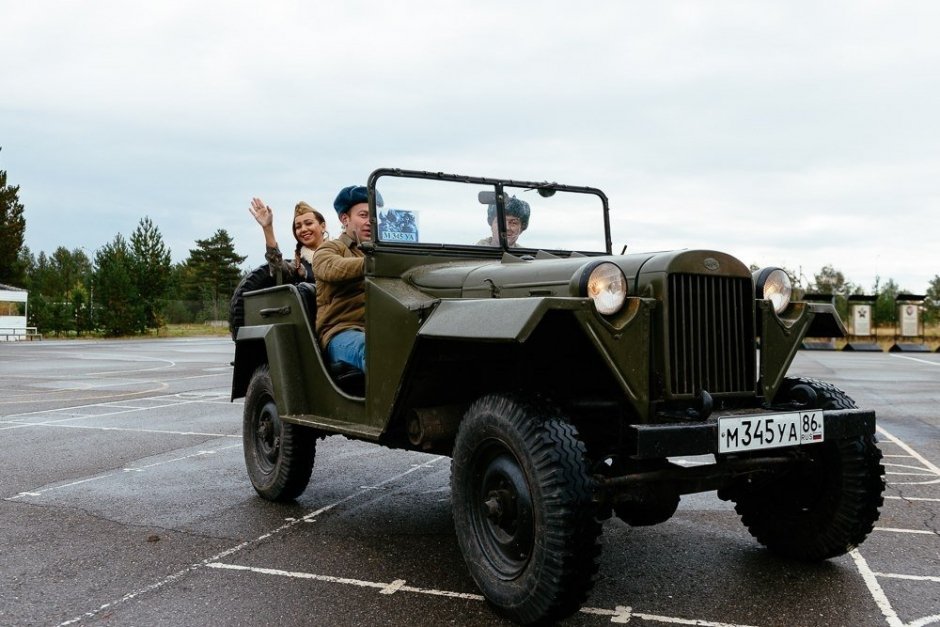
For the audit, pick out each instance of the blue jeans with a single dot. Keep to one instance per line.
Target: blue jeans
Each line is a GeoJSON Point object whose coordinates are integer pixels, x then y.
{"type": "Point", "coordinates": [348, 347]}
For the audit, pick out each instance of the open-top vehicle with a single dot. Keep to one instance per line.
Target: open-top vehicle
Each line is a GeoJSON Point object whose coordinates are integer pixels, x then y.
{"type": "Point", "coordinates": [561, 378]}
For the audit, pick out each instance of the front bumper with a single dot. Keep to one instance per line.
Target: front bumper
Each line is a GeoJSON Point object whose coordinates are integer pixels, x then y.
{"type": "Point", "coordinates": [652, 441]}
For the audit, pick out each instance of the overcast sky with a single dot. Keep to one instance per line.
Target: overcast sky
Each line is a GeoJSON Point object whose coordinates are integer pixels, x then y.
{"type": "Point", "coordinates": [792, 133]}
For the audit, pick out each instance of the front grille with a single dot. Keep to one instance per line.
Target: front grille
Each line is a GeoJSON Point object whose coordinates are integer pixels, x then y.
{"type": "Point", "coordinates": [710, 334]}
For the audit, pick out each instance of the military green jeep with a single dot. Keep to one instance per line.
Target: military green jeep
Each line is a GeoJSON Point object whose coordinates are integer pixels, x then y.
{"type": "Point", "coordinates": [561, 379]}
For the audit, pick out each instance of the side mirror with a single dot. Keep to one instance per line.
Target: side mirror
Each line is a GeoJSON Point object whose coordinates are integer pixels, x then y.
{"type": "Point", "coordinates": [487, 198]}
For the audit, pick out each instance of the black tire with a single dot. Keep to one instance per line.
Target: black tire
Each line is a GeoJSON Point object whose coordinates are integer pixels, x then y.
{"type": "Point", "coordinates": [826, 506]}
{"type": "Point", "coordinates": [523, 512]}
{"type": "Point", "coordinates": [813, 393]}
{"type": "Point", "coordinates": [255, 280]}
{"type": "Point", "coordinates": [278, 455]}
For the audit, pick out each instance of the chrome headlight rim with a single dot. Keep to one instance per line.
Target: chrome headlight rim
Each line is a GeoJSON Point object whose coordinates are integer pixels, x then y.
{"type": "Point", "coordinates": [773, 284]}
{"type": "Point", "coordinates": [596, 281]}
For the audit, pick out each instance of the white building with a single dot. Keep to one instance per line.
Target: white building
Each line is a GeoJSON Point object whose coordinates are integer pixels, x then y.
{"type": "Point", "coordinates": [13, 314]}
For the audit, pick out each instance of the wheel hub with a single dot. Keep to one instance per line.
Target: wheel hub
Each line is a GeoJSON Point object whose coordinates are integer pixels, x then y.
{"type": "Point", "coordinates": [499, 507]}
{"type": "Point", "coordinates": [268, 434]}
{"type": "Point", "coordinates": [504, 518]}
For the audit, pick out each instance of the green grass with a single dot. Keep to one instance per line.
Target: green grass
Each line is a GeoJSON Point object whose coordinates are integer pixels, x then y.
{"type": "Point", "coordinates": [191, 330]}
{"type": "Point", "coordinates": [169, 330]}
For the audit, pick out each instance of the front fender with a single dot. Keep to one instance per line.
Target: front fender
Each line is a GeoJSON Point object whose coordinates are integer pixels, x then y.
{"type": "Point", "coordinates": [782, 336]}
{"type": "Point", "coordinates": [271, 344]}
{"type": "Point", "coordinates": [614, 350]}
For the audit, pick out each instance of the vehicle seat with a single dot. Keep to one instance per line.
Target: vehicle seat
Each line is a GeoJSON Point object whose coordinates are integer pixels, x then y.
{"type": "Point", "coordinates": [308, 295]}
{"type": "Point", "coordinates": [349, 378]}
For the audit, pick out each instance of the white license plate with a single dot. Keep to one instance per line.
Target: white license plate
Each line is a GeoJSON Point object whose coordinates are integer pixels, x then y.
{"type": "Point", "coordinates": [749, 433]}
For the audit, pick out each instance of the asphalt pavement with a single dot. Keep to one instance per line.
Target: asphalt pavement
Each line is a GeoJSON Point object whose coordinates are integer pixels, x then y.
{"type": "Point", "coordinates": [124, 501]}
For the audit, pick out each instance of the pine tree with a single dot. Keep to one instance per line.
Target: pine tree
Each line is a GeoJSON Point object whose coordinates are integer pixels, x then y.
{"type": "Point", "coordinates": [52, 282]}
{"type": "Point", "coordinates": [212, 272]}
{"type": "Point", "coordinates": [12, 230]}
{"type": "Point", "coordinates": [117, 306]}
{"type": "Point", "coordinates": [151, 272]}
{"type": "Point", "coordinates": [40, 275]}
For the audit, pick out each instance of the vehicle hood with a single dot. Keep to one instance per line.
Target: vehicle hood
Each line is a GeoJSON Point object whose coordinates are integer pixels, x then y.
{"type": "Point", "coordinates": [514, 276]}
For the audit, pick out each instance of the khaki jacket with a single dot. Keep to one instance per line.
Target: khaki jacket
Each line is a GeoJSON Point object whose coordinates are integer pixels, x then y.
{"type": "Point", "coordinates": [339, 268]}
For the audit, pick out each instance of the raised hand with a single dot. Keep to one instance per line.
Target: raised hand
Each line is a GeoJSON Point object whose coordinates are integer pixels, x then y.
{"type": "Point", "coordinates": [262, 213]}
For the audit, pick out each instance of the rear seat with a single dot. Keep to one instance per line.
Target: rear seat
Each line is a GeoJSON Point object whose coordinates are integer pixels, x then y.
{"type": "Point", "coordinates": [349, 379]}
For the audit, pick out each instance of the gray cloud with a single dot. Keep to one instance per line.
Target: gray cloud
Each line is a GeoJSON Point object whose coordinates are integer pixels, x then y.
{"type": "Point", "coordinates": [786, 133]}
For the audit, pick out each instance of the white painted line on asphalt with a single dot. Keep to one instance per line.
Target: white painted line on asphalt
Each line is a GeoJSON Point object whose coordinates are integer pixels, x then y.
{"type": "Point", "coordinates": [16, 423]}
{"type": "Point", "coordinates": [931, 482]}
{"type": "Point", "coordinates": [117, 472]}
{"type": "Point", "coordinates": [202, 453]}
{"type": "Point", "coordinates": [58, 487]}
{"type": "Point", "coordinates": [870, 577]}
{"type": "Point", "coordinates": [910, 451]}
{"type": "Point", "coordinates": [114, 403]}
{"type": "Point", "coordinates": [32, 401]}
{"type": "Point", "coordinates": [927, 464]}
{"type": "Point", "coordinates": [913, 498]}
{"type": "Point", "coordinates": [925, 532]}
{"type": "Point", "coordinates": [73, 417]}
{"type": "Point", "coordinates": [621, 614]}
{"type": "Point", "coordinates": [877, 593]}
{"type": "Point", "coordinates": [670, 620]}
{"type": "Point", "coordinates": [175, 401]}
{"type": "Point", "coordinates": [163, 385]}
{"type": "Point", "coordinates": [235, 549]}
{"type": "Point", "coordinates": [923, 361]}
{"type": "Point", "coordinates": [393, 587]}
{"type": "Point", "coordinates": [909, 577]}
{"type": "Point", "coordinates": [920, 469]}
{"type": "Point", "coordinates": [129, 429]}
{"type": "Point", "coordinates": [125, 357]}
{"type": "Point", "coordinates": [398, 584]}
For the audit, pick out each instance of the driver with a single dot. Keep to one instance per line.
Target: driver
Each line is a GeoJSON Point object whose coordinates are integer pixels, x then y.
{"type": "Point", "coordinates": [339, 268]}
{"type": "Point", "coordinates": [517, 221]}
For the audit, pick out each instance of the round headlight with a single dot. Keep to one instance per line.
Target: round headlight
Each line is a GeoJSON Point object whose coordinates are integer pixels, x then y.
{"type": "Point", "coordinates": [607, 287]}
{"type": "Point", "coordinates": [774, 285]}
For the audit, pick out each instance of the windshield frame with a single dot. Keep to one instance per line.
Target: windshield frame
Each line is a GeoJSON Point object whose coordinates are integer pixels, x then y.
{"type": "Point", "coordinates": [498, 184]}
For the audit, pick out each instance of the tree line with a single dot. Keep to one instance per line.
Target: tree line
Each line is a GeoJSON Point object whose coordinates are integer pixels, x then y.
{"type": "Point", "coordinates": [130, 286]}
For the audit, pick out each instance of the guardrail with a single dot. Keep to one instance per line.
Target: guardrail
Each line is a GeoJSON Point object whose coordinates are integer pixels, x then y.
{"type": "Point", "coordinates": [17, 334]}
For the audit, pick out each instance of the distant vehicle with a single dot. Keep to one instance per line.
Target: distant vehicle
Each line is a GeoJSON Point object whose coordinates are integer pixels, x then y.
{"type": "Point", "coordinates": [561, 378]}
